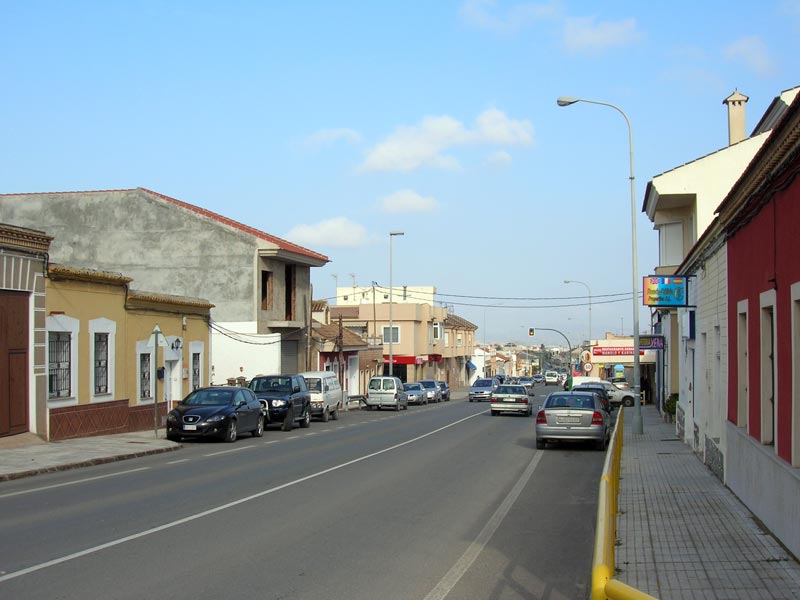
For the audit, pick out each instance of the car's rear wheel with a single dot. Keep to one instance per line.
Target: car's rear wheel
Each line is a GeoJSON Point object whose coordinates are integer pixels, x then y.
{"type": "Point", "coordinates": [335, 414]}
{"type": "Point", "coordinates": [627, 401]}
{"type": "Point", "coordinates": [325, 415]}
{"type": "Point", "coordinates": [230, 432]}
{"type": "Point", "coordinates": [259, 430]}
{"type": "Point", "coordinates": [288, 422]}
{"type": "Point", "coordinates": [306, 421]}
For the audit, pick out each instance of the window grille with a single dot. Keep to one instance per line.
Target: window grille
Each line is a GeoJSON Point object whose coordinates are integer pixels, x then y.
{"type": "Point", "coordinates": [60, 368]}
{"type": "Point", "coordinates": [100, 363]}
{"type": "Point", "coordinates": [145, 392]}
{"type": "Point", "coordinates": [195, 370]}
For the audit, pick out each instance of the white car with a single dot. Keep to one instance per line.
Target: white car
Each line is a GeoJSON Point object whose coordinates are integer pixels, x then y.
{"type": "Point", "coordinates": [550, 377]}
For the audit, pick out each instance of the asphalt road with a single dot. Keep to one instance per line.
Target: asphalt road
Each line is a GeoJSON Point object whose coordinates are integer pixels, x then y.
{"type": "Point", "coordinates": [440, 501]}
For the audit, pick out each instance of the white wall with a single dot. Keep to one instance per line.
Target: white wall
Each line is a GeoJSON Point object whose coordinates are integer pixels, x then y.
{"type": "Point", "coordinates": [243, 353]}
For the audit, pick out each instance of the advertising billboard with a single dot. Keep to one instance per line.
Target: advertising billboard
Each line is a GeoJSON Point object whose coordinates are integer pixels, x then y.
{"type": "Point", "coordinates": [664, 291]}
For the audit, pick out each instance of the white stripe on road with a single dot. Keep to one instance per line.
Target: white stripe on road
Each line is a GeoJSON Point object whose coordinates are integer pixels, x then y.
{"type": "Point", "coordinates": [205, 513]}
{"type": "Point", "coordinates": [452, 577]}
{"type": "Point", "coordinates": [58, 485]}
{"type": "Point", "coordinates": [237, 449]}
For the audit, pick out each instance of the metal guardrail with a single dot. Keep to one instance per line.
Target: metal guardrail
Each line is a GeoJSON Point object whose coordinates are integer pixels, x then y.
{"type": "Point", "coordinates": [604, 587]}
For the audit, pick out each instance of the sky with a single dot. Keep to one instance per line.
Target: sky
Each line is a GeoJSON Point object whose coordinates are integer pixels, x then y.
{"type": "Point", "coordinates": [332, 123]}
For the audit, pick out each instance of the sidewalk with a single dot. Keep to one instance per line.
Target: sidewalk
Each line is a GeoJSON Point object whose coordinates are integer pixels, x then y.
{"type": "Point", "coordinates": [683, 534]}
{"type": "Point", "coordinates": [25, 454]}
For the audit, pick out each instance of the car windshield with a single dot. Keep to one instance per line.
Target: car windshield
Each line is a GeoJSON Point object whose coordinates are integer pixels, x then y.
{"type": "Point", "coordinates": [482, 383]}
{"type": "Point", "coordinates": [210, 397]}
{"type": "Point", "coordinates": [278, 384]}
{"type": "Point", "coordinates": [381, 384]}
{"type": "Point", "coordinates": [428, 384]}
{"type": "Point", "coordinates": [412, 387]}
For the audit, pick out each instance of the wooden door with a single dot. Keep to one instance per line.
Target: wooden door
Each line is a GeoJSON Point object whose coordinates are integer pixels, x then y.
{"type": "Point", "coordinates": [14, 333]}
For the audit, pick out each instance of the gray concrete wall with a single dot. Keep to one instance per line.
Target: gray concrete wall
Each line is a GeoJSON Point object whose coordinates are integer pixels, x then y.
{"type": "Point", "coordinates": [163, 247]}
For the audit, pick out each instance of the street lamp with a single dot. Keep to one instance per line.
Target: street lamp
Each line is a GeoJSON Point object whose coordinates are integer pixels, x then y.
{"type": "Point", "coordinates": [636, 424]}
{"type": "Point", "coordinates": [590, 304]}
{"type": "Point", "coordinates": [391, 321]}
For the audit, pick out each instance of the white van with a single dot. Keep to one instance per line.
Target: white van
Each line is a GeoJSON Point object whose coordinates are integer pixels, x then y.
{"type": "Point", "coordinates": [326, 394]}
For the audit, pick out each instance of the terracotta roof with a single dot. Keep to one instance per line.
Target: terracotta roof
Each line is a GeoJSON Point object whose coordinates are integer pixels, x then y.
{"type": "Point", "coordinates": [347, 312]}
{"type": "Point", "coordinates": [457, 322]}
{"type": "Point", "coordinates": [150, 297]}
{"type": "Point", "coordinates": [318, 305]}
{"type": "Point", "coordinates": [330, 332]}
{"type": "Point", "coordinates": [280, 242]}
{"type": "Point", "coordinates": [56, 271]}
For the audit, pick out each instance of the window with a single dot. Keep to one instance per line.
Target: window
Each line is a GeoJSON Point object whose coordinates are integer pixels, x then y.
{"type": "Point", "coordinates": [446, 339]}
{"type": "Point", "coordinates": [195, 370]}
{"type": "Point", "coordinates": [59, 369]}
{"type": "Point", "coordinates": [266, 290]}
{"type": "Point", "coordinates": [459, 340]}
{"type": "Point", "coordinates": [767, 366]}
{"type": "Point", "coordinates": [100, 363]}
{"type": "Point", "coordinates": [742, 380]}
{"type": "Point", "coordinates": [62, 358]}
{"type": "Point", "coordinates": [670, 239]}
{"type": "Point", "coordinates": [795, 391]}
{"type": "Point", "coordinates": [437, 331]}
{"type": "Point", "coordinates": [395, 335]}
{"type": "Point", "coordinates": [145, 389]}
{"type": "Point", "coordinates": [289, 282]}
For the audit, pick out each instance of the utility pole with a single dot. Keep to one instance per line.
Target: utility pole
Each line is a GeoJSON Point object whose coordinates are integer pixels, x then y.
{"type": "Point", "coordinates": [339, 344]}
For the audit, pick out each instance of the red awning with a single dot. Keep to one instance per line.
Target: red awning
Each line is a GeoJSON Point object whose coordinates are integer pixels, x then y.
{"type": "Point", "coordinates": [434, 358]}
{"type": "Point", "coordinates": [400, 360]}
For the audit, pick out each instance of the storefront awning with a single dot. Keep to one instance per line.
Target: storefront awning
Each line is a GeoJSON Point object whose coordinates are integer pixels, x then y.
{"type": "Point", "coordinates": [471, 366]}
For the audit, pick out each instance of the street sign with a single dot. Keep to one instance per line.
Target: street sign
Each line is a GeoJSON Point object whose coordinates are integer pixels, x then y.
{"type": "Point", "coordinates": [586, 356]}
{"type": "Point", "coordinates": [587, 367]}
{"type": "Point", "coordinates": [157, 335]}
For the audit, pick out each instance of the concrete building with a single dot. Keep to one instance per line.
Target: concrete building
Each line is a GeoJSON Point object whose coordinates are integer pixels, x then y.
{"type": "Point", "coordinates": [258, 283]}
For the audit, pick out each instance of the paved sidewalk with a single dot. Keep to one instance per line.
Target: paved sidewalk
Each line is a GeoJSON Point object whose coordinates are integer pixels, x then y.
{"type": "Point", "coordinates": [26, 454]}
{"type": "Point", "coordinates": [683, 534]}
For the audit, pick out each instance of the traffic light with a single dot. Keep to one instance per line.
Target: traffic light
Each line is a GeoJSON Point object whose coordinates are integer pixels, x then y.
{"type": "Point", "coordinates": [531, 331]}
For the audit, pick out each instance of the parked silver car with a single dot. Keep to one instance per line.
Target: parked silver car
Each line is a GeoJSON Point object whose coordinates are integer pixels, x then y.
{"type": "Point", "coordinates": [386, 392]}
{"type": "Point", "coordinates": [416, 395]}
{"type": "Point", "coordinates": [432, 391]}
{"type": "Point", "coordinates": [572, 416]}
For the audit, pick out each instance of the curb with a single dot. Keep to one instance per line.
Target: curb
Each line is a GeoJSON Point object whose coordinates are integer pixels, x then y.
{"type": "Point", "coordinates": [86, 463]}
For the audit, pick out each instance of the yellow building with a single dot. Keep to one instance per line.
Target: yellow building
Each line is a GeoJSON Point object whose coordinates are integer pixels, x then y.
{"type": "Point", "coordinates": [104, 370]}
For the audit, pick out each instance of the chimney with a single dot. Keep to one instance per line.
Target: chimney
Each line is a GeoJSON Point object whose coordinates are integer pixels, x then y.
{"type": "Point", "coordinates": [736, 121]}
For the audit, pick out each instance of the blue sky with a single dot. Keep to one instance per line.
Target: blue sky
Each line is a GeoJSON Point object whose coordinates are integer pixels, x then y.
{"type": "Point", "coordinates": [332, 123]}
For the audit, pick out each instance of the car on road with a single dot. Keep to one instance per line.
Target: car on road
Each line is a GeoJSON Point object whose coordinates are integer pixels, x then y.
{"type": "Point", "coordinates": [444, 391]}
{"type": "Point", "coordinates": [432, 392]}
{"type": "Point", "coordinates": [538, 378]}
{"type": "Point", "coordinates": [572, 416]}
{"type": "Point", "coordinates": [482, 389]}
{"type": "Point", "coordinates": [621, 382]}
{"type": "Point", "coordinates": [218, 411]}
{"type": "Point", "coordinates": [602, 392]}
{"type": "Point", "coordinates": [527, 382]}
{"type": "Point", "coordinates": [285, 398]}
{"type": "Point", "coordinates": [510, 398]}
{"type": "Point", "coordinates": [550, 377]}
{"type": "Point", "coordinates": [386, 392]}
{"type": "Point", "coordinates": [415, 392]}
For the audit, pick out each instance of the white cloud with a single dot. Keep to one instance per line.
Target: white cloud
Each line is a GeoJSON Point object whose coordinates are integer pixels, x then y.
{"type": "Point", "coordinates": [753, 53]}
{"type": "Point", "coordinates": [499, 158]}
{"type": "Point", "coordinates": [327, 137]}
{"type": "Point", "coordinates": [405, 201]}
{"type": "Point", "coordinates": [483, 14]}
{"type": "Point", "coordinates": [423, 145]}
{"type": "Point", "coordinates": [338, 232]}
{"type": "Point", "coordinates": [584, 35]}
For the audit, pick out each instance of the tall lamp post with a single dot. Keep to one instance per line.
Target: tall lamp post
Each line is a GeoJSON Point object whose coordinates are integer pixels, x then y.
{"type": "Point", "coordinates": [391, 288]}
{"type": "Point", "coordinates": [590, 304]}
{"type": "Point", "coordinates": [636, 424]}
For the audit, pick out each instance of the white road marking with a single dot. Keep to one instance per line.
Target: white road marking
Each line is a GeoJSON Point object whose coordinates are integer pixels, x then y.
{"type": "Point", "coordinates": [451, 578]}
{"type": "Point", "coordinates": [58, 485]}
{"type": "Point", "coordinates": [175, 462]}
{"type": "Point", "coordinates": [237, 449]}
{"type": "Point", "coordinates": [211, 511]}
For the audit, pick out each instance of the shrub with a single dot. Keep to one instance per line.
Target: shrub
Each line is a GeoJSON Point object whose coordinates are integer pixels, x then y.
{"type": "Point", "coordinates": [671, 404]}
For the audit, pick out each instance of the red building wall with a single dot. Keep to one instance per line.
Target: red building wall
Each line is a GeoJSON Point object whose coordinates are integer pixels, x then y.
{"type": "Point", "coordinates": [765, 255]}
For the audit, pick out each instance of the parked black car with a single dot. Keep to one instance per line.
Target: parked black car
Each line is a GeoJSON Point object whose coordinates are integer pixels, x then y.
{"type": "Point", "coordinates": [598, 389]}
{"type": "Point", "coordinates": [444, 390]}
{"type": "Point", "coordinates": [285, 399]}
{"type": "Point", "coordinates": [223, 412]}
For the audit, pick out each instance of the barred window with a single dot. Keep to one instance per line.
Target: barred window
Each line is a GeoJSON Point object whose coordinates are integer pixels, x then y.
{"type": "Point", "coordinates": [59, 370]}
{"type": "Point", "coordinates": [195, 370]}
{"type": "Point", "coordinates": [145, 392]}
{"type": "Point", "coordinates": [100, 363]}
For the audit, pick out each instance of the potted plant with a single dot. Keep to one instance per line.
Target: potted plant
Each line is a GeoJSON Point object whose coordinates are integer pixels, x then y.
{"type": "Point", "coordinates": [670, 407]}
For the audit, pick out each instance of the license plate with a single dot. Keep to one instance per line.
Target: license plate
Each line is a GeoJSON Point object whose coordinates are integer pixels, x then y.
{"type": "Point", "coordinates": [190, 427]}
{"type": "Point", "coordinates": [569, 420]}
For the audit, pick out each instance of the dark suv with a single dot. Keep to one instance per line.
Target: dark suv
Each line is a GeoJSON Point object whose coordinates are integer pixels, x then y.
{"type": "Point", "coordinates": [285, 399]}
{"type": "Point", "coordinates": [599, 390]}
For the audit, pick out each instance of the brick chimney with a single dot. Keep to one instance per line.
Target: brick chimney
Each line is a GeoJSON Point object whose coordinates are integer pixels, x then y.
{"type": "Point", "coordinates": [736, 121]}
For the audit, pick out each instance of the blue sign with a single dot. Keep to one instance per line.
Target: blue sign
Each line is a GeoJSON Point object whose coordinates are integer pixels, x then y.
{"type": "Point", "coordinates": [664, 291]}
